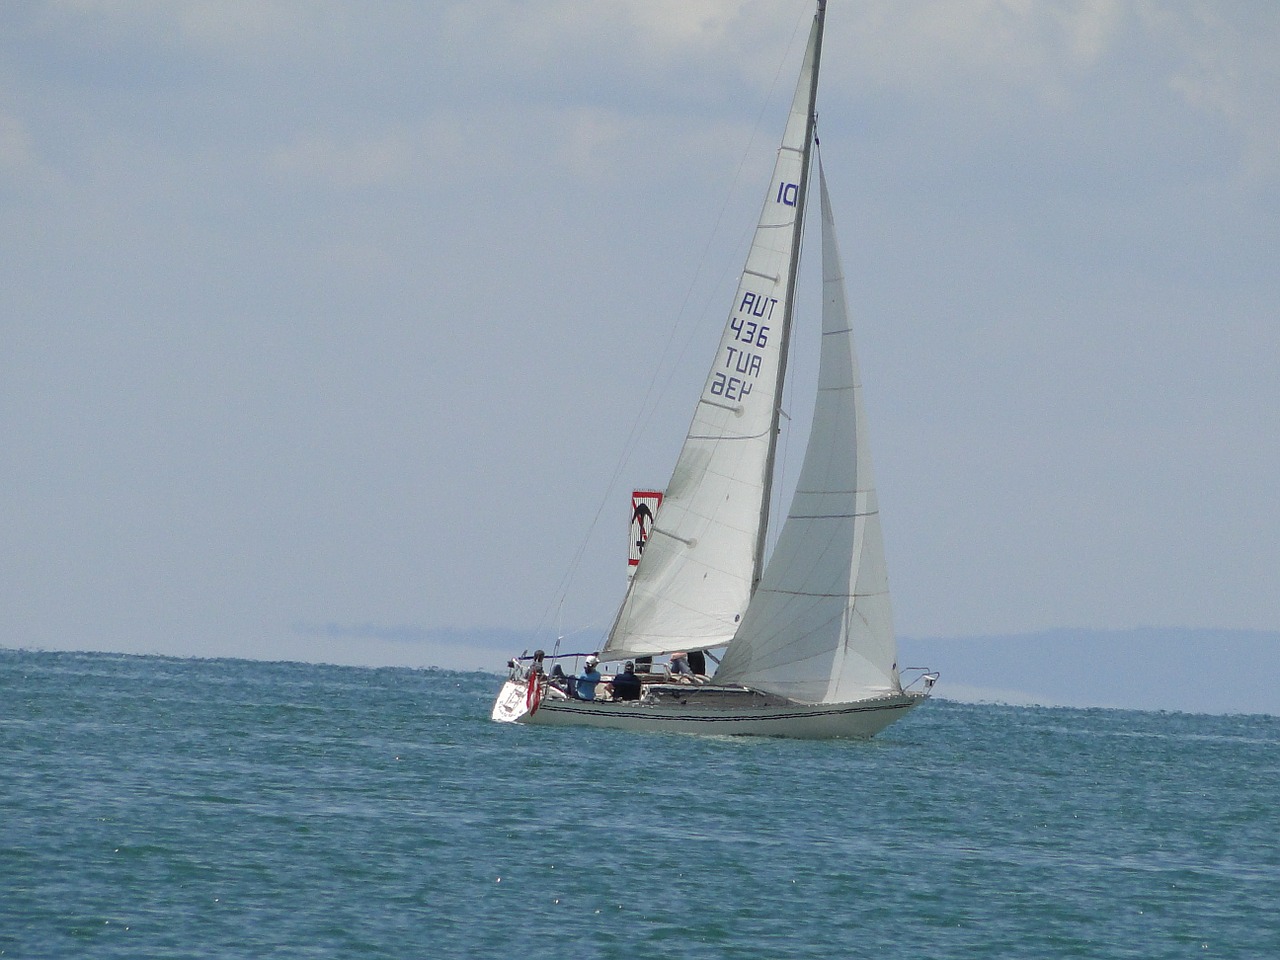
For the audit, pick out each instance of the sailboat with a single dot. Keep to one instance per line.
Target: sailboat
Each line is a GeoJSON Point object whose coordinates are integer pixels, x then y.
{"type": "Point", "coordinates": [807, 638]}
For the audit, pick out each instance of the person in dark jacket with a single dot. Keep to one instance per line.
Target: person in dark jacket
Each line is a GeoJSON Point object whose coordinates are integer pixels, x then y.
{"type": "Point", "coordinates": [626, 685]}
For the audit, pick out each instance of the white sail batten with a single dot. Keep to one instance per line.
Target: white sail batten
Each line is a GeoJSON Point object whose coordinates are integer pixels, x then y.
{"type": "Point", "coordinates": [820, 626]}
{"type": "Point", "coordinates": [694, 581]}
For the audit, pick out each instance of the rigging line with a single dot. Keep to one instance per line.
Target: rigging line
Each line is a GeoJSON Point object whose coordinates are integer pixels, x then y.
{"type": "Point", "coordinates": [649, 402]}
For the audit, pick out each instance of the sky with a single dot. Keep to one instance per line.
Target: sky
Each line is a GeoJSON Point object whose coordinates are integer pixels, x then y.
{"type": "Point", "coordinates": [333, 330]}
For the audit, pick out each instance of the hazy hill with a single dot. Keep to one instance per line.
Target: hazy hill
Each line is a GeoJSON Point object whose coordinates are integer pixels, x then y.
{"type": "Point", "coordinates": [1150, 668]}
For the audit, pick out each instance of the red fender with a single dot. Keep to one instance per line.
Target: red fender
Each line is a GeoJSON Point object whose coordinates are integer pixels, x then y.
{"type": "Point", "coordinates": [533, 693]}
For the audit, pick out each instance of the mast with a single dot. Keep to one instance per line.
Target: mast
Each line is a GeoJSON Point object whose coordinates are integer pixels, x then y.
{"type": "Point", "coordinates": [798, 228]}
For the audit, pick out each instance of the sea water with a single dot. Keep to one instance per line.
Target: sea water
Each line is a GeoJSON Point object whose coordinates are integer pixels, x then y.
{"type": "Point", "coordinates": [153, 807]}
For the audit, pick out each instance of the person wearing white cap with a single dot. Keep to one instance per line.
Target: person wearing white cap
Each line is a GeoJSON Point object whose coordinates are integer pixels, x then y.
{"type": "Point", "coordinates": [584, 687]}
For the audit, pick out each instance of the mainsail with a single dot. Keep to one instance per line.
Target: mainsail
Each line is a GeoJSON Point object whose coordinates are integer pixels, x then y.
{"type": "Point", "coordinates": [703, 556]}
{"type": "Point", "coordinates": [820, 627]}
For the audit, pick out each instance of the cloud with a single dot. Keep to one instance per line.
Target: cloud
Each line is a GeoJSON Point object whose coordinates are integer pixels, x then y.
{"type": "Point", "coordinates": [17, 149]}
{"type": "Point", "coordinates": [373, 272]}
{"type": "Point", "coordinates": [1226, 65]}
{"type": "Point", "coordinates": [661, 27]}
{"type": "Point", "coordinates": [925, 44]}
{"type": "Point", "coordinates": [987, 60]}
{"type": "Point", "coordinates": [382, 160]}
{"type": "Point", "coordinates": [223, 25]}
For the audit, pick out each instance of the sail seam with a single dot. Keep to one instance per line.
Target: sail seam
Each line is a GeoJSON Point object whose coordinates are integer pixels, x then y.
{"type": "Point", "coordinates": [825, 596]}
{"type": "Point", "coordinates": [832, 516]}
{"type": "Point", "coordinates": [829, 516]}
{"type": "Point", "coordinates": [856, 491]}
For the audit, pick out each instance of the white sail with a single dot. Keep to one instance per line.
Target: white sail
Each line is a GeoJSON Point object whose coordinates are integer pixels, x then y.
{"type": "Point", "coordinates": [702, 557]}
{"type": "Point", "coordinates": [820, 627]}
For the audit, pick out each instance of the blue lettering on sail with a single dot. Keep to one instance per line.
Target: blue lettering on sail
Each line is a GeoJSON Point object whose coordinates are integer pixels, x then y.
{"type": "Point", "coordinates": [757, 305]}
{"type": "Point", "coordinates": [743, 361]}
{"type": "Point", "coordinates": [787, 194]}
{"type": "Point", "coordinates": [731, 388]}
{"type": "Point", "coordinates": [741, 357]}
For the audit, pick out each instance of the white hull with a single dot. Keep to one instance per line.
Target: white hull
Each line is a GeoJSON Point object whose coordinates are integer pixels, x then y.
{"type": "Point", "coordinates": [859, 720]}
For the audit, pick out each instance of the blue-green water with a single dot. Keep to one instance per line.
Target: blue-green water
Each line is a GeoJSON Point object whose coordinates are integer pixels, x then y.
{"type": "Point", "coordinates": [152, 807]}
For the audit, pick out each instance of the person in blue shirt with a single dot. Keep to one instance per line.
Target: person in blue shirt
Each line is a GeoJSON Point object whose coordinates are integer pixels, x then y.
{"type": "Point", "coordinates": [584, 687]}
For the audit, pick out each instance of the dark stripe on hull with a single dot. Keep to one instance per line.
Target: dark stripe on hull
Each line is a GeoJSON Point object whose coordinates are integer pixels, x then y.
{"type": "Point", "coordinates": [817, 722]}
{"type": "Point", "coordinates": [718, 716]}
